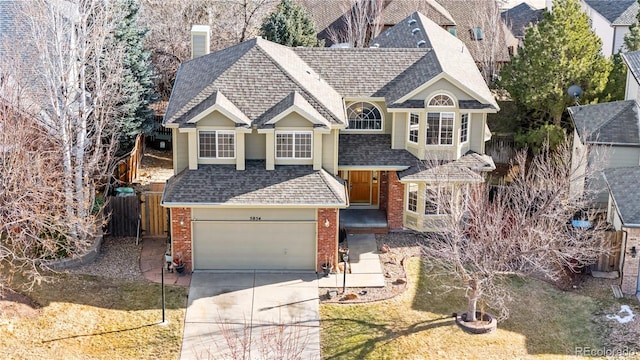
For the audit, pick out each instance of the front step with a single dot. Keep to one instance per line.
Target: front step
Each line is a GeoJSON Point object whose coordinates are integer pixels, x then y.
{"type": "Point", "coordinates": [367, 230]}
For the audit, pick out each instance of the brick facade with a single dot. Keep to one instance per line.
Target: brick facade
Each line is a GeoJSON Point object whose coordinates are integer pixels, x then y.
{"type": "Point", "coordinates": [384, 190]}
{"type": "Point", "coordinates": [395, 202]}
{"type": "Point", "coordinates": [631, 265]}
{"type": "Point", "coordinates": [181, 236]}
{"type": "Point", "coordinates": [327, 237]}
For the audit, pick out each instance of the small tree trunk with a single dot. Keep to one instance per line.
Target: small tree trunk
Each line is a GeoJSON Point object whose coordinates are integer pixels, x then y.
{"type": "Point", "coordinates": [474, 295]}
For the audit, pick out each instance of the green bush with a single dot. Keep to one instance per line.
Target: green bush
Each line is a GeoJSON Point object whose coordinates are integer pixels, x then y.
{"type": "Point", "coordinates": [535, 138]}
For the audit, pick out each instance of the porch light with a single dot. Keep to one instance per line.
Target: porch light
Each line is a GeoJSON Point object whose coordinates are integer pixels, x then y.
{"type": "Point", "coordinates": [326, 222]}
{"type": "Point", "coordinates": [634, 252]}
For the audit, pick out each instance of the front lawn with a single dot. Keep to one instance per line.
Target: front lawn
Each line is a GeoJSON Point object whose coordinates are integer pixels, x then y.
{"type": "Point", "coordinates": [81, 317]}
{"type": "Point", "coordinates": [417, 324]}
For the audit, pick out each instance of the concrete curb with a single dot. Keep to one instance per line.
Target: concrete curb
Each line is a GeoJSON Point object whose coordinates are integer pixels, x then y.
{"type": "Point", "coordinates": [79, 260]}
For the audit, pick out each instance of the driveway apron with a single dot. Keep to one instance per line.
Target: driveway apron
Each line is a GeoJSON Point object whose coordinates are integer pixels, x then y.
{"type": "Point", "coordinates": [252, 312]}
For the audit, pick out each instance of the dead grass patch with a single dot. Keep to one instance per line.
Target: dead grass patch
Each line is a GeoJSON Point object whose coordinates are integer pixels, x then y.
{"type": "Point", "coordinates": [84, 317]}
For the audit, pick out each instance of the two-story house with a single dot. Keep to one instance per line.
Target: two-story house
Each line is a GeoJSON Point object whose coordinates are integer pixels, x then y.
{"type": "Point", "coordinates": [270, 142]}
{"type": "Point", "coordinates": [611, 20]}
{"type": "Point", "coordinates": [610, 132]}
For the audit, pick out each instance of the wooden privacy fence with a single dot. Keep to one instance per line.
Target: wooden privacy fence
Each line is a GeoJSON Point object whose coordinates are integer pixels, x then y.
{"type": "Point", "coordinates": [611, 261]}
{"type": "Point", "coordinates": [126, 169]}
{"type": "Point", "coordinates": [155, 219]}
{"type": "Point", "coordinates": [501, 148]}
{"type": "Point", "coordinates": [124, 213]}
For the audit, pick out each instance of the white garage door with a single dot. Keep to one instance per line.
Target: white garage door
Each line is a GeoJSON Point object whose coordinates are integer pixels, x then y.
{"type": "Point", "coordinates": [254, 245]}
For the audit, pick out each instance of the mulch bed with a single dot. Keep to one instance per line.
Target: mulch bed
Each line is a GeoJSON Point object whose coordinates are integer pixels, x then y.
{"type": "Point", "coordinates": [401, 246]}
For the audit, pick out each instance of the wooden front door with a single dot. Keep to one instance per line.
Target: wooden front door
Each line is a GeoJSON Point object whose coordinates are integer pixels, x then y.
{"type": "Point", "coordinates": [360, 187]}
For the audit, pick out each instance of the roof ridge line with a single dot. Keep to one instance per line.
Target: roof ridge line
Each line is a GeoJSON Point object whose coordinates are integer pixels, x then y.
{"type": "Point", "coordinates": [324, 180]}
{"type": "Point", "coordinates": [294, 80]}
{"type": "Point", "coordinates": [624, 108]}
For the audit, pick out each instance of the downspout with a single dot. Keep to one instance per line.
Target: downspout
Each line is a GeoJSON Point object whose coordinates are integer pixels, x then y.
{"type": "Point", "coordinates": [613, 43]}
{"type": "Point", "coordinates": [623, 254]}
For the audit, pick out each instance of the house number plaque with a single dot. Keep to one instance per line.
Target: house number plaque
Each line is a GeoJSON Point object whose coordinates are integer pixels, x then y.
{"type": "Point", "coordinates": [255, 218]}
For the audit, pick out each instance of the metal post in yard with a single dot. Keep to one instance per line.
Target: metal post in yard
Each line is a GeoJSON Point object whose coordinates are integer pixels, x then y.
{"type": "Point", "coordinates": [164, 321]}
{"type": "Point", "coordinates": [345, 258]}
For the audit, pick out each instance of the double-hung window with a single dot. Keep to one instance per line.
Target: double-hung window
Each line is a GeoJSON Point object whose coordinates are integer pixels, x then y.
{"type": "Point", "coordinates": [216, 144]}
{"type": "Point", "coordinates": [414, 126]}
{"type": "Point", "coordinates": [464, 128]}
{"type": "Point", "coordinates": [412, 198]}
{"type": "Point", "coordinates": [440, 128]}
{"type": "Point", "coordinates": [294, 144]}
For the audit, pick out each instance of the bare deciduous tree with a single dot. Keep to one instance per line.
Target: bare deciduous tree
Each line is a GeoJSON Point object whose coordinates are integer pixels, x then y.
{"type": "Point", "coordinates": [31, 201]}
{"type": "Point", "coordinates": [362, 21]}
{"type": "Point", "coordinates": [519, 229]}
{"type": "Point", "coordinates": [60, 86]}
{"type": "Point", "coordinates": [231, 22]}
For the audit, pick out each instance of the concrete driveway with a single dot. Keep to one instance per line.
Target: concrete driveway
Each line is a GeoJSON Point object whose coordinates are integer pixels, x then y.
{"type": "Point", "coordinates": [274, 314]}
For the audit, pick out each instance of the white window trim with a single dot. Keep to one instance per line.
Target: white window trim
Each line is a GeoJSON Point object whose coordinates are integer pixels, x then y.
{"type": "Point", "coordinates": [468, 122]}
{"type": "Point", "coordinates": [417, 129]}
{"type": "Point", "coordinates": [453, 100]}
{"type": "Point", "coordinates": [417, 198]}
{"type": "Point", "coordinates": [363, 130]}
{"type": "Point", "coordinates": [439, 207]}
{"type": "Point", "coordinates": [293, 153]}
{"type": "Point", "coordinates": [218, 132]}
{"type": "Point", "coordinates": [453, 126]}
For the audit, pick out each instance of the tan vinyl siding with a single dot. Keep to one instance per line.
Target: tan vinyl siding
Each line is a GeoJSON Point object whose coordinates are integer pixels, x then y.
{"type": "Point", "coordinates": [180, 143]}
{"type": "Point", "coordinates": [216, 119]}
{"type": "Point", "coordinates": [442, 86]}
{"type": "Point", "coordinates": [293, 120]}
{"type": "Point", "coordinates": [255, 146]}
{"type": "Point", "coordinates": [399, 135]}
{"type": "Point", "coordinates": [477, 123]}
{"type": "Point", "coordinates": [330, 152]}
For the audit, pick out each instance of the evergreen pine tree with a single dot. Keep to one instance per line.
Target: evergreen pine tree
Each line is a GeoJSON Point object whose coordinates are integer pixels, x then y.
{"type": "Point", "coordinates": [561, 50]}
{"type": "Point", "coordinates": [289, 24]}
{"type": "Point", "coordinates": [139, 91]}
{"type": "Point", "coordinates": [632, 38]}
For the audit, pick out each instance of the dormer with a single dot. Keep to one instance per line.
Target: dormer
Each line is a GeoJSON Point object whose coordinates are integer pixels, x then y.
{"type": "Point", "coordinates": [294, 130]}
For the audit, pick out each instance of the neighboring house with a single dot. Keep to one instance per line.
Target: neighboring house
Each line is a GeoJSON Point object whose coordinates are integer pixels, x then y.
{"type": "Point", "coordinates": [520, 17]}
{"type": "Point", "coordinates": [610, 20]}
{"type": "Point", "coordinates": [624, 214]}
{"type": "Point", "coordinates": [611, 129]}
{"type": "Point", "coordinates": [476, 23]}
{"type": "Point", "coordinates": [270, 142]}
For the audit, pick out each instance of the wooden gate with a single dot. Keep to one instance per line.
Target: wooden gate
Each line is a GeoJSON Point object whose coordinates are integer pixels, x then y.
{"type": "Point", "coordinates": [155, 219]}
{"type": "Point", "coordinates": [124, 213]}
{"type": "Point", "coordinates": [611, 261]}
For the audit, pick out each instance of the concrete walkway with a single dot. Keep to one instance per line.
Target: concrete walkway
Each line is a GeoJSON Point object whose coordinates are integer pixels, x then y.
{"type": "Point", "coordinates": [366, 270]}
{"type": "Point", "coordinates": [263, 310]}
{"type": "Point", "coordinates": [152, 263]}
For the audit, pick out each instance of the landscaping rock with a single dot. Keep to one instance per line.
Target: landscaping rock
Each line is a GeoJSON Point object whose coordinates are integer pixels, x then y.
{"type": "Point", "coordinates": [350, 297]}
{"type": "Point", "coordinates": [385, 248]}
{"type": "Point", "coordinates": [401, 281]}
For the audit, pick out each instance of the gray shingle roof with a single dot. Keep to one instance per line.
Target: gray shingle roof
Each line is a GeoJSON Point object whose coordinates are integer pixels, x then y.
{"type": "Point", "coordinates": [519, 17]}
{"type": "Point", "coordinates": [607, 123]}
{"type": "Point", "coordinates": [623, 186]}
{"type": "Point", "coordinates": [372, 150]}
{"type": "Point", "coordinates": [357, 72]}
{"type": "Point", "coordinates": [463, 14]}
{"type": "Point", "coordinates": [446, 48]}
{"type": "Point", "coordinates": [617, 12]}
{"type": "Point", "coordinates": [632, 59]}
{"type": "Point", "coordinates": [446, 172]}
{"type": "Point", "coordinates": [242, 73]}
{"type": "Point", "coordinates": [255, 186]}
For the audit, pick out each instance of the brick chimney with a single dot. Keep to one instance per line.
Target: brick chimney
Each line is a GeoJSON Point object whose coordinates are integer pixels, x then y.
{"type": "Point", "coordinates": [200, 35]}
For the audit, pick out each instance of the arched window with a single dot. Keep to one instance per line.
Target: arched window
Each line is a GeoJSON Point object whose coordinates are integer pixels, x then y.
{"type": "Point", "coordinates": [364, 116]}
{"type": "Point", "coordinates": [441, 100]}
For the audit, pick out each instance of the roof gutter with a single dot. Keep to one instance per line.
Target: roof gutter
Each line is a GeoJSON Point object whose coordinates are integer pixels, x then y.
{"type": "Point", "coordinates": [266, 206]}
